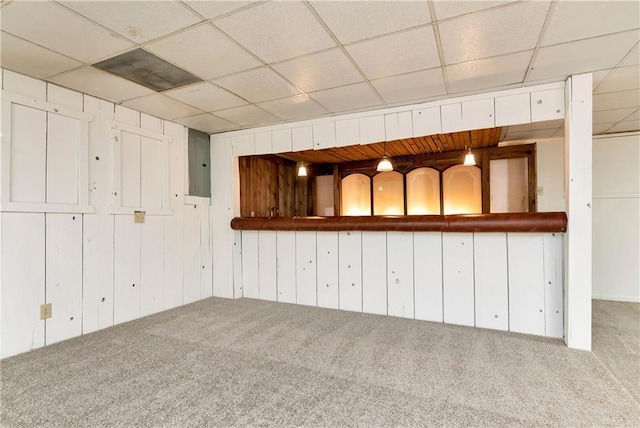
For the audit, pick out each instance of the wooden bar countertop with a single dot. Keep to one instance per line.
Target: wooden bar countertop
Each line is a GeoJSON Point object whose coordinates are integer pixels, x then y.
{"type": "Point", "coordinates": [507, 222]}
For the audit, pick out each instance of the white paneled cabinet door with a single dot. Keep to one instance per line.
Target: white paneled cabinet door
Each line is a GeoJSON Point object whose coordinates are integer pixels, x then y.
{"type": "Point", "coordinates": [458, 292]}
{"type": "Point", "coordinates": [64, 276]}
{"type": "Point", "coordinates": [327, 244]}
{"type": "Point", "coordinates": [350, 271]}
{"type": "Point", "coordinates": [267, 259]}
{"type": "Point", "coordinates": [400, 274]}
{"type": "Point", "coordinates": [306, 275]}
{"type": "Point", "coordinates": [427, 261]}
{"type": "Point", "coordinates": [374, 272]}
{"type": "Point", "coordinates": [526, 283]}
{"type": "Point", "coordinates": [286, 266]}
{"type": "Point", "coordinates": [490, 260]}
{"type": "Point", "coordinates": [250, 258]}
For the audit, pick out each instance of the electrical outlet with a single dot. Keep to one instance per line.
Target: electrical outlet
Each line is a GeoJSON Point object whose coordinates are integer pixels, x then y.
{"type": "Point", "coordinates": [138, 216]}
{"type": "Point", "coordinates": [45, 311]}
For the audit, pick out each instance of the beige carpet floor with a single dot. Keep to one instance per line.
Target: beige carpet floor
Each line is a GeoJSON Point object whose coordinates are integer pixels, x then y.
{"type": "Point", "coordinates": [253, 363]}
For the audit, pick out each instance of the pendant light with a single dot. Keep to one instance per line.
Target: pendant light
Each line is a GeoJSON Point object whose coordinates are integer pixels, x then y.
{"type": "Point", "coordinates": [302, 170]}
{"type": "Point", "coordinates": [469, 158]}
{"type": "Point", "coordinates": [385, 164]}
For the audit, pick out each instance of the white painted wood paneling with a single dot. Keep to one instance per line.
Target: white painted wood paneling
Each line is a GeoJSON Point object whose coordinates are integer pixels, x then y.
{"type": "Point", "coordinates": [151, 261]}
{"type": "Point", "coordinates": [374, 272]}
{"type": "Point", "coordinates": [426, 121]}
{"type": "Point", "coordinates": [302, 138]}
{"type": "Point", "coordinates": [250, 260]}
{"type": "Point", "coordinates": [405, 124]}
{"type": "Point", "coordinates": [151, 123]}
{"type": "Point", "coordinates": [478, 114]}
{"type": "Point", "coordinates": [350, 271]}
{"type": "Point", "coordinates": [126, 284]}
{"type": "Point", "coordinates": [64, 97]}
{"type": "Point", "coordinates": [243, 145]}
{"type": "Point", "coordinates": [327, 247]}
{"type": "Point", "coordinates": [263, 143]}
{"type": "Point", "coordinates": [458, 289]}
{"type": "Point", "coordinates": [347, 132]}
{"type": "Point", "coordinates": [237, 264]}
{"type": "Point", "coordinates": [281, 140]}
{"type": "Point", "coordinates": [391, 130]}
{"type": "Point", "coordinates": [324, 135]}
{"type": "Point", "coordinates": [451, 118]}
{"type": "Point", "coordinates": [126, 115]}
{"type": "Point", "coordinates": [547, 105]}
{"type": "Point", "coordinates": [513, 109]}
{"type": "Point", "coordinates": [62, 159]}
{"type": "Point", "coordinates": [267, 265]}
{"type": "Point", "coordinates": [24, 85]}
{"type": "Point", "coordinates": [306, 272]}
{"type": "Point", "coordinates": [400, 274]}
{"type": "Point", "coordinates": [491, 282]}
{"type": "Point", "coordinates": [23, 282]}
{"type": "Point", "coordinates": [526, 283]}
{"type": "Point", "coordinates": [28, 154]}
{"type": "Point", "coordinates": [206, 273]}
{"type": "Point", "coordinates": [192, 254]}
{"type": "Point", "coordinates": [553, 276]}
{"type": "Point", "coordinates": [63, 276]}
{"type": "Point", "coordinates": [427, 262]}
{"type": "Point", "coordinates": [130, 170]}
{"type": "Point", "coordinates": [222, 213]}
{"type": "Point", "coordinates": [372, 129]}
{"type": "Point", "coordinates": [286, 254]}
{"type": "Point", "coordinates": [150, 173]}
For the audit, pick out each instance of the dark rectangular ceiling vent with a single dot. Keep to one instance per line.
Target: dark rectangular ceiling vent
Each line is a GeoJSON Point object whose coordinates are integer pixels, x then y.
{"type": "Point", "coordinates": [147, 69]}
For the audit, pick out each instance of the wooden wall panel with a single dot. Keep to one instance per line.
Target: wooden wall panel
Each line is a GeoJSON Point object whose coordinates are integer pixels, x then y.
{"type": "Point", "coordinates": [266, 183]}
{"type": "Point", "coordinates": [28, 154]}
{"type": "Point", "coordinates": [62, 159]}
{"type": "Point", "coordinates": [526, 283]}
{"type": "Point", "coordinates": [22, 282]}
{"type": "Point", "coordinates": [206, 274]}
{"type": "Point", "coordinates": [350, 271]}
{"type": "Point", "coordinates": [127, 295]}
{"type": "Point", "coordinates": [458, 290]}
{"type": "Point", "coordinates": [286, 265]}
{"type": "Point", "coordinates": [130, 170]}
{"type": "Point", "coordinates": [63, 276]}
{"type": "Point", "coordinates": [151, 259]}
{"type": "Point", "coordinates": [553, 278]}
{"type": "Point", "coordinates": [306, 272]}
{"type": "Point", "coordinates": [400, 274]}
{"type": "Point", "coordinates": [250, 267]}
{"type": "Point", "coordinates": [267, 265]}
{"type": "Point", "coordinates": [491, 282]}
{"type": "Point", "coordinates": [150, 173]}
{"type": "Point", "coordinates": [327, 247]}
{"type": "Point", "coordinates": [374, 272]}
{"type": "Point", "coordinates": [427, 261]}
{"type": "Point", "coordinates": [192, 254]}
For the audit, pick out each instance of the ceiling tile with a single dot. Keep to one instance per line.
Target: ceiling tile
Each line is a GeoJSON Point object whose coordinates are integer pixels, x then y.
{"type": "Point", "coordinates": [207, 123]}
{"type": "Point", "coordinates": [271, 86]}
{"type": "Point", "coordinates": [398, 53]}
{"type": "Point", "coordinates": [494, 32]}
{"type": "Point", "coordinates": [600, 128]}
{"type": "Point", "coordinates": [488, 73]}
{"type": "Point", "coordinates": [373, 18]}
{"type": "Point", "coordinates": [528, 135]}
{"type": "Point", "coordinates": [213, 9]}
{"type": "Point", "coordinates": [206, 97]}
{"type": "Point", "coordinates": [626, 126]}
{"type": "Point", "coordinates": [634, 116]}
{"type": "Point", "coordinates": [537, 126]}
{"type": "Point", "coordinates": [633, 57]}
{"type": "Point", "coordinates": [352, 97]}
{"type": "Point", "coordinates": [100, 84]}
{"type": "Point", "coordinates": [574, 20]}
{"type": "Point", "coordinates": [42, 22]}
{"type": "Point", "coordinates": [614, 100]}
{"type": "Point", "coordinates": [276, 31]}
{"type": "Point", "coordinates": [411, 86]}
{"type": "Point", "coordinates": [321, 70]}
{"type": "Point", "coordinates": [249, 115]}
{"type": "Point", "coordinates": [620, 80]}
{"type": "Point", "coordinates": [204, 51]}
{"type": "Point", "coordinates": [447, 9]}
{"type": "Point", "coordinates": [294, 108]}
{"type": "Point", "coordinates": [161, 106]}
{"type": "Point", "coordinates": [137, 20]}
{"type": "Point", "coordinates": [33, 60]}
{"type": "Point", "coordinates": [608, 116]}
{"type": "Point", "coordinates": [582, 56]}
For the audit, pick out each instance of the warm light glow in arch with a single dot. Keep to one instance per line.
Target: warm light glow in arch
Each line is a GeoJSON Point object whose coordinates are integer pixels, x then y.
{"type": "Point", "coordinates": [462, 190]}
{"type": "Point", "coordinates": [423, 191]}
{"type": "Point", "coordinates": [355, 196]}
{"type": "Point", "coordinates": [388, 193]}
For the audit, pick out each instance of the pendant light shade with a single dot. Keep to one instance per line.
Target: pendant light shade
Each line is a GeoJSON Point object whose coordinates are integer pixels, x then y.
{"type": "Point", "coordinates": [469, 159]}
{"type": "Point", "coordinates": [302, 170]}
{"type": "Point", "coordinates": [384, 165]}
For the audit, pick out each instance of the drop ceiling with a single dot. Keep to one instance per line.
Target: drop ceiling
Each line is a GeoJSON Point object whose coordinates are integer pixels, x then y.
{"type": "Point", "coordinates": [269, 62]}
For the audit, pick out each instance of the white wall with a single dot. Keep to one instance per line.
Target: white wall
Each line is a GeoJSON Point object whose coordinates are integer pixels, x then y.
{"type": "Point", "coordinates": [550, 165]}
{"type": "Point", "coordinates": [616, 217]}
{"type": "Point", "coordinates": [99, 269]}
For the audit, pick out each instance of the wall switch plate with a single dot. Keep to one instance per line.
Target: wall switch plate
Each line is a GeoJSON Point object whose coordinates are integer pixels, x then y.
{"type": "Point", "coordinates": [45, 311]}
{"type": "Point", "coordinates": [540, 191]}
{"type": "Point", "coordinates": [138, 216]}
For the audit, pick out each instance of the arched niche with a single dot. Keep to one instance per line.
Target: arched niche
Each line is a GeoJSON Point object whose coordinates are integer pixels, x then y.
{"type": "Point", "coordinates": [462, 190]}
{"type": "Point", "coordinates": [388, 193]}
{"type": "Point", "coordinates": [423, 191]}
{"type": "Point", "coordinates": [355, 195]}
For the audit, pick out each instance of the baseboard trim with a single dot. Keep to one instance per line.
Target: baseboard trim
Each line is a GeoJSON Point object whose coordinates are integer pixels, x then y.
{"type": "Point", "coordinates": [629, 299]}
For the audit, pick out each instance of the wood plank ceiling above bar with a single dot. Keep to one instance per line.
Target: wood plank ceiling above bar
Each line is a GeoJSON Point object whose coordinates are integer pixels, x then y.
{"type": "Point", "coordinates": [439, 143]}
